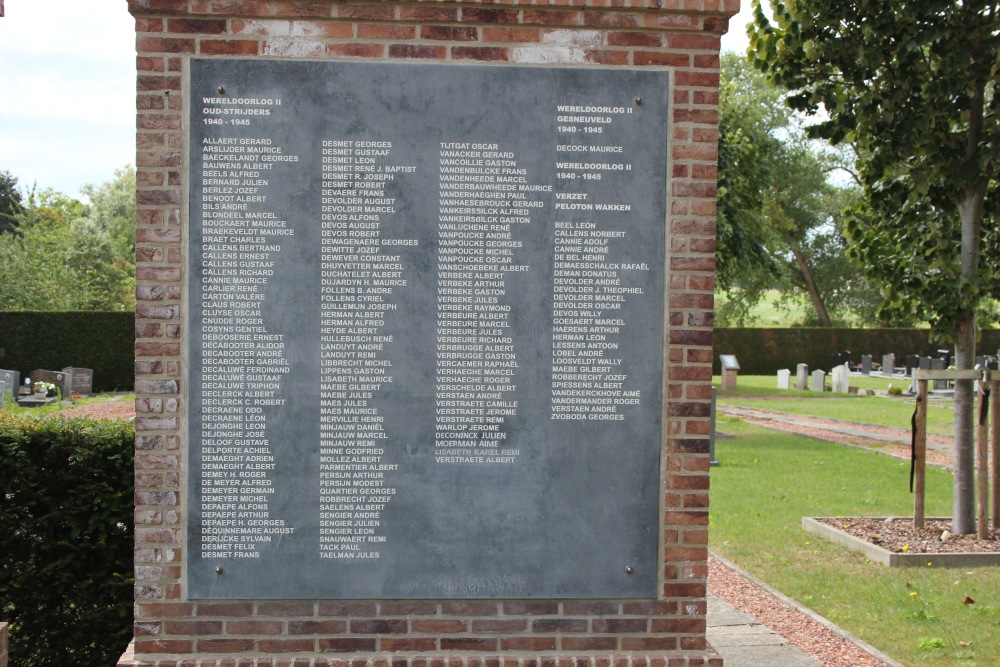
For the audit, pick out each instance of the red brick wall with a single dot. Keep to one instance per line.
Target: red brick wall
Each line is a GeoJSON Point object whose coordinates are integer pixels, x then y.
{"type": "Point", "coordinates": [682, 35]}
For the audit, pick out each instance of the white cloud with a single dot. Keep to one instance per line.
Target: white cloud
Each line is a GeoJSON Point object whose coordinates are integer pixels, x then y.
{"type": "Point", "coordinates": [67, 91]}
{"type": "Point", "coordinates": [736, 39]}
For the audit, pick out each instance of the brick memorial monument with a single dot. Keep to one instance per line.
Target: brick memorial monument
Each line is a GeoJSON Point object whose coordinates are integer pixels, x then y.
{"type": "Point", "coordinates": [424, 332]}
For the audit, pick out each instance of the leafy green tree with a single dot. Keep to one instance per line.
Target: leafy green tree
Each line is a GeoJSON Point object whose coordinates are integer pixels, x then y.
{"type": "Point", "coordinates": [68, 256]}
{"type": "Point", "coordinates": [779, 213]}
{"type": "Point", "coordinates": [10, 201]}
{"type": "Point", "coordinates": [912, 85]}
{"type": "Point", "coordinates": [111, 214]}
{"type": "Point", "coordinates": [750, 116]}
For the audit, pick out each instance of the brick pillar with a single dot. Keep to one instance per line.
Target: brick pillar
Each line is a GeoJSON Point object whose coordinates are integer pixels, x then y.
{"type": "Point", "coordinates": [681, 36]}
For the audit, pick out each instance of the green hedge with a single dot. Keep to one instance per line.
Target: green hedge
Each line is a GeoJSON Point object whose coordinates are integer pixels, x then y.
{"type": "Point", "coordinates": [104, 342]}
{"type": "Point", "coordinates": [765, 351]}
{"type": "Point", "coordinates": [66, 505]}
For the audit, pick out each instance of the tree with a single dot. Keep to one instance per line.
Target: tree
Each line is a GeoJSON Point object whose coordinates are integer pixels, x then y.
{"type": "Point", "coordinates": [750, 116]}
{"type": "Point", "coordinates": [10, 202]}
{"type": "Point", "coordinates": [68, 256]}
{"type": "Point", "coordinates": [111, 214]}
{"type": "Point", "coordinates": [911, 83]}
{"type": "Point", "coordinates": [779, 213]}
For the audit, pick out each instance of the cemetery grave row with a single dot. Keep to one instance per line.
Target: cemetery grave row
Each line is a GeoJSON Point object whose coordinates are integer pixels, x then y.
{"type": "Point", "coordinates": [42, 387]}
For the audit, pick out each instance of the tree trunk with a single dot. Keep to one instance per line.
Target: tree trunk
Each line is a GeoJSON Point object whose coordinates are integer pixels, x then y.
{"type": "Point", "coordinates": [807, 277]}
{"type": "Point", "coordinates": [964, 490]}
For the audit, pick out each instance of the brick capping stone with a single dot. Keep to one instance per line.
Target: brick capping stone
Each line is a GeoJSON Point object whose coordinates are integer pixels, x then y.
{"type": "Point", "coordinates": [682, 36]}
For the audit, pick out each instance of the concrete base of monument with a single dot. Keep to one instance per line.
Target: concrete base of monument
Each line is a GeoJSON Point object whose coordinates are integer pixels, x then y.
{"type": "Point", "coordinates": [36, 401]}
{"type": "Point", "coordinates": [707, 658]}
{"type": "Point", "coordinates": [819, 526]}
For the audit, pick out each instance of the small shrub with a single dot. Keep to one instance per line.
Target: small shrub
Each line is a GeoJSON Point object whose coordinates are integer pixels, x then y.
{"type": "Point", "coordinates": [930, 643]}
{"type": "Point", "coordinates": [66, 528]}
{"type": "Point", "coordinates": [895, 391]}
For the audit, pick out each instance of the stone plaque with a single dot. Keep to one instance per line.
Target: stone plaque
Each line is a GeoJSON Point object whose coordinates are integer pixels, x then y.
{"type": "Point", "coordinates": [426, 314]}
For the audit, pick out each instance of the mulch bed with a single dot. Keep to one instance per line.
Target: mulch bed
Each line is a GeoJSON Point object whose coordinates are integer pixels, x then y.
{"type": "Point", "coordinates": [899, 535]}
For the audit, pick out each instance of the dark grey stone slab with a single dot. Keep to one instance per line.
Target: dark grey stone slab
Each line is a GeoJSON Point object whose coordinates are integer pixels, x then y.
{"type": "Point", "coordinates": [426, 306]}
{"type": "Point", "coordinates": [866, 364]}
{"type": "Point", "coordinates": [81, 380]}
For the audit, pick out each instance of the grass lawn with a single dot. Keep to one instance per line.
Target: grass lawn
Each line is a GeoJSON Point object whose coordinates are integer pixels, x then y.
{"type": "Point", "coordinates": [758, 391]}
{"type": "Point", "coordinates": [768, 481]}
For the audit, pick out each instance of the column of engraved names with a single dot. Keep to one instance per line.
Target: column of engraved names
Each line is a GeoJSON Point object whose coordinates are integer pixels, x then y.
{"type": "Point", "coordinates": [242, 360]}
{"type": "Point", "coordinates": [483, 203]}
{"type": "Point", "coordinates": [591, 260]}
{"type": "Point", "coordinates": [359, 277]}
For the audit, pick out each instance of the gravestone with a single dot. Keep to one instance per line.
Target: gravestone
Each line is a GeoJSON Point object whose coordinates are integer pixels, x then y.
{"type": "Point", "coordinates": [840, 359]}
{"type": "Point", "coordinates": [819, 380]}
{"type": "Point", "coordinates": [841, 379]}
{"type": "Point", "coordinates": [784, 376]}
{"type": "Point", "coordinates": [12, 381]}
{"type": "Point", "coordinates": [58, 378]}
{"type": "Point", "coordinates": [802, 377]}
{"type": "Point", "coordinates": [82, 380]}
{"type": "Point", "coordinates": [912, 361]}
{"type": "Point", "coordinates": [866, 364]}
{"type": "Point", "coordinates": [924, 363]}
{"type": "Point", "coordinates": [730, 371]}
{"type": "Point", "coordinates": [888, 364]}
{"type": "Point", "coordinates": [939, 364]}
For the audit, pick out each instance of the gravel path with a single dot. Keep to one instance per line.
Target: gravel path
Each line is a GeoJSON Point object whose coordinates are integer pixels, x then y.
{"type": "Point", "coordinates": [820, 642]}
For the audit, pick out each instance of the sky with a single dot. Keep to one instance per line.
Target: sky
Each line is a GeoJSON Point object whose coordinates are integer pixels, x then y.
{"type": "Point", "coordinates": [67, 90]}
